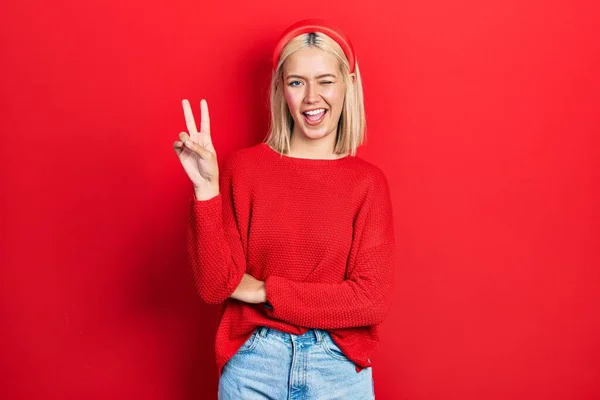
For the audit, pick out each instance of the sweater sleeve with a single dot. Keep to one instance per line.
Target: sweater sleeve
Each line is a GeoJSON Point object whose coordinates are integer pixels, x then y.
{"type": "Point", "coordinates": [362, 299]}
{"type": "Point", "coordinates": [215, 249]}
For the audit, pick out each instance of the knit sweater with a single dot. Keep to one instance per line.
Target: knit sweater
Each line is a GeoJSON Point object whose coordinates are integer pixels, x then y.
{"type": "Point", "coordinates": [319, 233]}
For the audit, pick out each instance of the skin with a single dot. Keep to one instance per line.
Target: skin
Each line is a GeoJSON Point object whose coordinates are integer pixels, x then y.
{"type": "Point", "coordinates": [311, 80]}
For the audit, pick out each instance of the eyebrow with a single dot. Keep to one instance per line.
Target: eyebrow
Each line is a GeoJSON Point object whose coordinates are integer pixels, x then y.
{"type": "Point", "coordinates": [318, 77]}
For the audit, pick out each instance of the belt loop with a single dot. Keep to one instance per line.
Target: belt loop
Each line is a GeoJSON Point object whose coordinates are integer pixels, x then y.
{"type": "Point", "coordinates": [318, 335]}
{"type": "Point", "coordinates": [262, 331]}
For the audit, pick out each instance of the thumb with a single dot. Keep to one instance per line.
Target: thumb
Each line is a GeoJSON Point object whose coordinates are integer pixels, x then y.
{"type": "Point", "coordinates": [178, 147]}
{"type": "Point", "coordinates": [202, 152]}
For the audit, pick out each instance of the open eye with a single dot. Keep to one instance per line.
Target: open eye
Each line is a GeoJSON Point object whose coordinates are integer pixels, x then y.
{"type": "Point", "coordinates": [293, 83]}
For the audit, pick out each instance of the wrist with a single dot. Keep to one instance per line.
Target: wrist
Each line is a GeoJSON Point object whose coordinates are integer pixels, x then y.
{"type": "Point", "coordinates": [263, 292]}
{"type": "Point", "coordinates": [206, 193]}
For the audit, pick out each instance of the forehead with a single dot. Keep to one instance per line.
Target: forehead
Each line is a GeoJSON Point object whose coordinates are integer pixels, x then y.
{"type": "Point", "coordinates": [310, 61]}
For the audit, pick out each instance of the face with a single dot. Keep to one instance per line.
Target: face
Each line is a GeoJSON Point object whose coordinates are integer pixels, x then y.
{"type": "Point", "coordinates": [314, 91]}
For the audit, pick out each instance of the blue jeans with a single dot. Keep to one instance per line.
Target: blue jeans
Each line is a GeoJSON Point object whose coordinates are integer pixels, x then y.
{"type": "Point", "coordinates": [281, 366]}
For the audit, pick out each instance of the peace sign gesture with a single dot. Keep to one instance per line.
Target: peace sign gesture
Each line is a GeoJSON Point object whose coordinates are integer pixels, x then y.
{"type": "Point", "coordinates": [197, 153]}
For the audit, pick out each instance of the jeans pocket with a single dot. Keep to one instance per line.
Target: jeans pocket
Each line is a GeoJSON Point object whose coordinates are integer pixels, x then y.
{"type": "Point", "coordinates": [332, 349]}
{"type": "Point", "coordinates": [250, 344]}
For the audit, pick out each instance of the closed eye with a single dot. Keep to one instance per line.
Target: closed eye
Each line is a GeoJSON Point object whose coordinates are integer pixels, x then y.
{"type": "Point", "coordinates": [297, 83]}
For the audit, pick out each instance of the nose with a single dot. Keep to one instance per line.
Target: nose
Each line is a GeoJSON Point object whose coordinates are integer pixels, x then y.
{"type": "Point", "coordinates": [312, 93]}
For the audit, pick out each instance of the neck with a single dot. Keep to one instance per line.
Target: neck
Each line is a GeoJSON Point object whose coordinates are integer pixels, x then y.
{"type": "Point", "coordinates": [321, 148]}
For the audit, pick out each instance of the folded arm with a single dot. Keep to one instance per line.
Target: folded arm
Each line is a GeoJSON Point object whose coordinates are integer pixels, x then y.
{"type": "Point", "coordinates": [360, 300]}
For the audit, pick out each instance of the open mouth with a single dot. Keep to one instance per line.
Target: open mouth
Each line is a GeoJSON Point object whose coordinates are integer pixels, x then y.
{"type": "Point", "coordinates": [314, 117]}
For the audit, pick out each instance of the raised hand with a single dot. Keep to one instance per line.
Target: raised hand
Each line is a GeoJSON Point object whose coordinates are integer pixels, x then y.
{"type": "Point", "coordinates": [197, 153]}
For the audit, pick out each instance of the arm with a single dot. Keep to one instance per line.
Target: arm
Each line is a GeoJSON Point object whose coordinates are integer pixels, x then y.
{"type": "Point", "coordinates": [362, 298]}
{"type": "Point", "coordinates": [214, 245]}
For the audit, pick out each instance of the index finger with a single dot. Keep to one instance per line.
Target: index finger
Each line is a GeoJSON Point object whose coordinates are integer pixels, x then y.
{"type": "Point", "coordinates": [204, 117]}
{"type": "Point", "coordinates": [189, 117]}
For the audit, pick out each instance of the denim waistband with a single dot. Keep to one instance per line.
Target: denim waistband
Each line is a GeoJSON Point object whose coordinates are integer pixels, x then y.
{"type": "Point", "coordinates": [310, 336]}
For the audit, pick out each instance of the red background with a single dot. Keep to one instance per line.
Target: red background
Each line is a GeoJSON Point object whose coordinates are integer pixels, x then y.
{"type": "Point", "coordinates": [483, 114]}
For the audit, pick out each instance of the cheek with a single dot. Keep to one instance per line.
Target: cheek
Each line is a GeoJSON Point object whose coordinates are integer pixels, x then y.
{"type": "Point", "coordinates": [335, 93]}
{"type": "Point", "coordinates": [335, 98]}
{"type": "Point", "coordinates": [291, 99]}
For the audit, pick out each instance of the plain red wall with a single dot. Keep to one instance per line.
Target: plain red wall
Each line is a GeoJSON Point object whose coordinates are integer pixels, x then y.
{"type": "Point", "coordinates": [483, 114]}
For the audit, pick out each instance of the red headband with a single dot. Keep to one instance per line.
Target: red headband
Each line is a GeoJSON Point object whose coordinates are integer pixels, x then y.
{"type": "Point", "coordinates": [315, 25]}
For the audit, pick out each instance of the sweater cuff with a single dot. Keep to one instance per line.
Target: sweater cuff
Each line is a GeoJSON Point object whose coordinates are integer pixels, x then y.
{"type": "Point", "coordinates": [274, 287]}
{"type": "Point", "coordinates": [206, 216]}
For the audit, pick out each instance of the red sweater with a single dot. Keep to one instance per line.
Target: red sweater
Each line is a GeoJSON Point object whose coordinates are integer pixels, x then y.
{"type": "Point", "coordinates": [318, 232]}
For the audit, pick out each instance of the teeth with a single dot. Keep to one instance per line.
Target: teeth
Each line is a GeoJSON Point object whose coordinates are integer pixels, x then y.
{"type": "Point", "coordinates": [315, 112]}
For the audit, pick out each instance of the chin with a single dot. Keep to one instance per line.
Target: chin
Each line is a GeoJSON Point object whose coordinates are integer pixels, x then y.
{"type": "Point", "coordinates": [315, 133]}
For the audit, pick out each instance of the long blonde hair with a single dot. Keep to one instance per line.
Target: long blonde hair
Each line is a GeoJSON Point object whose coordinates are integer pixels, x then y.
{"type": "Point", "coordinates": [351, 130]}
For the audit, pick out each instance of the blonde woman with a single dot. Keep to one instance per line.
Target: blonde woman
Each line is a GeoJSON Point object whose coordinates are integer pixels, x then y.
{"type": "Point", "coordinates": [294, 236]}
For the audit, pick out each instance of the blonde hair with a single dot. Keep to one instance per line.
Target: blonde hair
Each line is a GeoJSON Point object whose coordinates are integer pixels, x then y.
{"type": "Point", "coordinates": [351, 129]}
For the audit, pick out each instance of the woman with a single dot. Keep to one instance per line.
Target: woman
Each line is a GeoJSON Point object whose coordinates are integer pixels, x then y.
{"type": "Point", "coordinates": [295, 235]}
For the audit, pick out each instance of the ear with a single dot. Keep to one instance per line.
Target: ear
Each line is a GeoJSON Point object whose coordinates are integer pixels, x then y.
{"type": "Point", "coordinates": [353, 78]}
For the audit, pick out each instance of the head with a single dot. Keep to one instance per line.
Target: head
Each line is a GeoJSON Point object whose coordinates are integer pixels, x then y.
{"type": "Point", "coordinates": [313, 73]}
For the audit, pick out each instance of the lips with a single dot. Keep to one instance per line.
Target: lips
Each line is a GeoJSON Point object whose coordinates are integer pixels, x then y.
{"type": "Point", "coordinates": [314, 117]}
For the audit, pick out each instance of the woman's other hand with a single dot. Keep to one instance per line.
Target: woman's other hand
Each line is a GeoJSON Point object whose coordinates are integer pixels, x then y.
{"type": "Point", "coordinates": [197, 153]}
{"type": "Point", "coordinates": [250, 290]}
